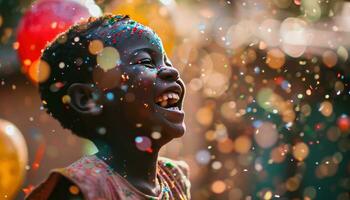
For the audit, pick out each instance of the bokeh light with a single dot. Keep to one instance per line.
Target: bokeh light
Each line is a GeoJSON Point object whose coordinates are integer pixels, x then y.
{"type": "Point", "coordinates": [300, 151]}
{"type": "Point", "coordinates": [218, 187]}
{"type": "Point", "coordinates": [329, 58]}
{"type": "Point", "coordinates": [326, 108]}
{"type": "Point", "coordinates": [108, 58]}
{"type": "Point", "coordinates": [143, 143]}
{"type": "Point", "coordinates": [242, 144]}
{"type": "Point", "coordinates": [275, 58]}
{"type": "Point", "coordinates": [295, 36]}
{"type": "Point", "coordinates": [95, 47]}
{"type": "Point", "coordinates": [152, 14]}
{"type": "Point", "coordinates": [39, 71]}
{"type": "Point", "coordinates": [266, 135]}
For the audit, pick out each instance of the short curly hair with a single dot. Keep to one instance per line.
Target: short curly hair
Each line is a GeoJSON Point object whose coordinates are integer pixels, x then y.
{"type": "Point", "coordinates": [71, 62]}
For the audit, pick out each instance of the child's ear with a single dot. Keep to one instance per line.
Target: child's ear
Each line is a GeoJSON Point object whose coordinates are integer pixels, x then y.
{"type": "Point", "coordinates": [84, 98]}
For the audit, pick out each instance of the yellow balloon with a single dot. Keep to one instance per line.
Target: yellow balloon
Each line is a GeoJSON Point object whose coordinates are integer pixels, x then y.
{"type": "Point", "coordinates": [153, 15]}
{"type": "Point", "coordinates": [13, 159]}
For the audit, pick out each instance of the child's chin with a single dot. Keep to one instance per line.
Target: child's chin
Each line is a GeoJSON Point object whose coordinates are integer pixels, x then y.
{"type": "Point", "coordinates": [176, 130]}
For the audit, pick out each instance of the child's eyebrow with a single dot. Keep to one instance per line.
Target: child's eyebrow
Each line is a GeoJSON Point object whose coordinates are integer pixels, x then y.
{"type": "Point", "coordinates": [148, 50]}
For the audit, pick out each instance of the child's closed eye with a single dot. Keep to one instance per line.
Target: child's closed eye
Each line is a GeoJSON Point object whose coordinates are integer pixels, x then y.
{"type": "Point", "coordinates": [146, 62]}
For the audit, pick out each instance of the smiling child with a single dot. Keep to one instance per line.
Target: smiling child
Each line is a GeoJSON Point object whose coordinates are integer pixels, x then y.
{"type": "Point", "coordinates": [111, 82]}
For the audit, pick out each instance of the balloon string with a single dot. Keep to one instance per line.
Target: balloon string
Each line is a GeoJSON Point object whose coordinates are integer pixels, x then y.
{"type": "Point", "coordinates": [38, 156]}
{"type": "Point", "coordinates": [35, 165]}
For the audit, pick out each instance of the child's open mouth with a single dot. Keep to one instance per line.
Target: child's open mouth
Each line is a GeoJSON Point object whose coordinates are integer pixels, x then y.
{"type": "Point", "coordinates": [169, 100]}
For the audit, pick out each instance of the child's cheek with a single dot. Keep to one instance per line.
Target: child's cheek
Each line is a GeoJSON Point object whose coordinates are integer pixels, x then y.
{"type": "Point", "coordinates": [147, 78]}
{"type": "Point", "coordinates": [140, 80]}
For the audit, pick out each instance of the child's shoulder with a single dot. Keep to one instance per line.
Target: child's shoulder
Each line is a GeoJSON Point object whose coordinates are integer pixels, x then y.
{"type": "Point", "coordinates": [81, 175]}
{"type": "Point", "coordinates": [177, 171]}
{"type": "Point", "coordinates": [174, 164]}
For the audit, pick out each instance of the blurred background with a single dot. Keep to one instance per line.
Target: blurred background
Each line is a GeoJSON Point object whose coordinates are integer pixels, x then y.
{"type": "Point", "coordinates": [267, 105]}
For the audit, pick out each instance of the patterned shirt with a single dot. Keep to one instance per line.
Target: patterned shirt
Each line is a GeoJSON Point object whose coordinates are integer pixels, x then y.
{"type": "Point", "coordinates": [97, 181]}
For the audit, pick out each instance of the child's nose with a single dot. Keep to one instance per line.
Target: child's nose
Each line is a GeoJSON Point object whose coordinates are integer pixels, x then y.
{"type": "Point", "coordinates": [168, 73]}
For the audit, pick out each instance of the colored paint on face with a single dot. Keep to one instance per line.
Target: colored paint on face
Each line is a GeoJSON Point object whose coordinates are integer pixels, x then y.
{"type": "Point", "coordinates": [116, 31]}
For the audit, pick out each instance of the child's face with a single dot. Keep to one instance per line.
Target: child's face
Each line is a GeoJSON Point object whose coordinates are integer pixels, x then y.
{"type": "Point", "coordinates": [150, 94]}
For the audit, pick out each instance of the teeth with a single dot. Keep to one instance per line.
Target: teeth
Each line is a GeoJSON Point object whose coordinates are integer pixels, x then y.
{"type": "Point", "coordinates": [164, 103]}
{"type": "Point", "coordinates": [168, 98]}
{"type": "Point", "coordinates": [173, 108]}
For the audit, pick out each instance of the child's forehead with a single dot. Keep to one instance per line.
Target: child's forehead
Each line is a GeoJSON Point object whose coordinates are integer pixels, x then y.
{"type": "Point", "coordinates": [115, 33]}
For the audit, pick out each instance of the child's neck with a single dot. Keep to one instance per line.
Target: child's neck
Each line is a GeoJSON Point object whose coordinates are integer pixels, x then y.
{"type": "Point", "coordinates": [138, 167]}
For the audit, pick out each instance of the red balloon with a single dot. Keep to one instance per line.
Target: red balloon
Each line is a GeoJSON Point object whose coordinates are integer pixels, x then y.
{"type": "Point", "coordinates": [42, 23]}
